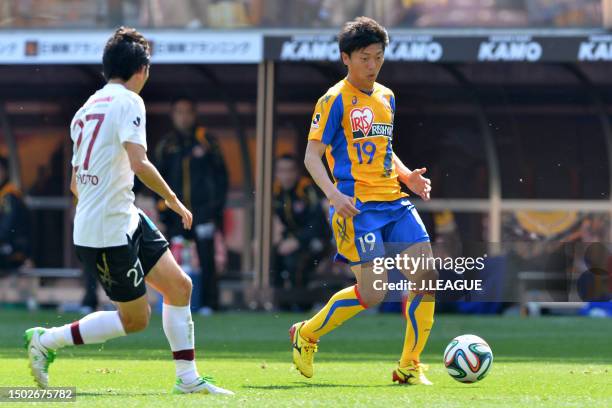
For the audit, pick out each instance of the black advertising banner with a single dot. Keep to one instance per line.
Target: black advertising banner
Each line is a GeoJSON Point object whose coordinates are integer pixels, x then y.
{"type": "Point", "coordinates": [595, 48]}
{"type": "Point", "coordinates": [301, 48]}
{"type": "Point", "coordinates": [452, 49]}
{"type": "Point", "coordinates": [63, 47]}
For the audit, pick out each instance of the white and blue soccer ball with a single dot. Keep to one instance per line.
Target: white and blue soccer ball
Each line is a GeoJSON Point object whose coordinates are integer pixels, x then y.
{"type": "Point", "coordinates": [468, 358]}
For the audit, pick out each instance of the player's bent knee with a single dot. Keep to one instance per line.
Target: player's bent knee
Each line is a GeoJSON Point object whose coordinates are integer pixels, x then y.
{"type": "Point", "coordinates": [178, 291]}
{"type": "Point", "coordinates": [188, 283]}
{"type": "Point", "coordinates": [373, 298]}
{"type": "Point", "coordinates": [185, 287]}
{"type": "Point", "coordinates": [135, 325]}
{"type": "Point", "coordinates": [136, 321]}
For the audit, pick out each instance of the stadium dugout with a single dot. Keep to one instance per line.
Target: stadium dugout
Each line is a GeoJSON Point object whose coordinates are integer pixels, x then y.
{"type": "Point", "coordinates": [505, 121]}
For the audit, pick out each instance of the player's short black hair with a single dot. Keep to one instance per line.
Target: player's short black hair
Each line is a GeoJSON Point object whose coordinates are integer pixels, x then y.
{"type": "Point", "coordinates": [360, 33]}
{"type": "Point", "coordinates": [125, 53]}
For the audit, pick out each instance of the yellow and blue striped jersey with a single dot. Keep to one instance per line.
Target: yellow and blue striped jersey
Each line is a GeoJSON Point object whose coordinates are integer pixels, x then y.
{"type": "Point", "coordinates": [358, 130]}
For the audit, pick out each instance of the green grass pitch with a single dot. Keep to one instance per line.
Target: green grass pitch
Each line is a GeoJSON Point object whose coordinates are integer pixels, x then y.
{"type": "Point", "coordinates": [544, 362]}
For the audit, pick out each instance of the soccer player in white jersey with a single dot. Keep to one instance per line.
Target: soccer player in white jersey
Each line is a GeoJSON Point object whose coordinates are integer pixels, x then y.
{"type": "Point", "coordinates": [114, 239]}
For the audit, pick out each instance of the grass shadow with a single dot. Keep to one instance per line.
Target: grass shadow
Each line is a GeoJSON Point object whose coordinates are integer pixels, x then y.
{"type": "Point", "coordinates": [302, 385]}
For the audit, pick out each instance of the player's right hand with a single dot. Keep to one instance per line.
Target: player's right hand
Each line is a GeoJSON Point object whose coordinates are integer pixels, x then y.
{"type": "Point", "coordinates": [343, 205]}
{"type": "Point", "coordinates": [175, 205]}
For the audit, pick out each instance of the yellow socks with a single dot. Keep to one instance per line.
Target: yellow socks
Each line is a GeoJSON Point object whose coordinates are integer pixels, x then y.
{"type": "Point", "coordinates": [419, 315]}
{"type": "Point", "coordinates": [341, 307]}
{"type": "Point", "coordinates": [346, 303]}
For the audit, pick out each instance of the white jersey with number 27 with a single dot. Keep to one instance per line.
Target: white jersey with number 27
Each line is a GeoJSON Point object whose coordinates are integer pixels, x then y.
{"type": "Point", "coordinates": [105, 213]}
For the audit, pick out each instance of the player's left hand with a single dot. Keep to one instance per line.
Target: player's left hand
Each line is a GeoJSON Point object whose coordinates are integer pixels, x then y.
{"type": "Point", "coordinates": [418, 184]}
{"type": "Point", "coordinates": [186, 217]}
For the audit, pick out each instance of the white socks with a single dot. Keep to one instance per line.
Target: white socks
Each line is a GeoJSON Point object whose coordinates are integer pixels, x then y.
{"type": "Point", "coordinates": [99, 327]}
{"type": "Point", "coordinates": [96, 327]}
{"type": "Point", "coordinates": [57, 337]}
{"type": "Point", "coordinates": [178, 328]}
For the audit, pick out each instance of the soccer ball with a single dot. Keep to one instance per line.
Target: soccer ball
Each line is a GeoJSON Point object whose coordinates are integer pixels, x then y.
{"type": "Point", "coordinates": [468, 358]}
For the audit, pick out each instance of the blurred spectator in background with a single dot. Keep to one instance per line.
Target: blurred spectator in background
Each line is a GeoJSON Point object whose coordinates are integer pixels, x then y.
{"type": "Point", "coordinates": [304, 237]}
{"type": "Point", "coordinates": [282, 13]}
{"type": "Point", "coordinates": [14, 223]}
{"type": "Point", "coordinates": [336, 13]}
{"type": "Point", "coordinates": [299, 13]}
{"type": "Point", "coordinates": [190, 160]}
{"type": "Point", "coordinates": [310, 13]}
{"type": "Point", "coordinates": [565, 13]}
{"type": "Point", "coordinates": [456, 13]}
{"type": "Point", "coordinates": [198, 13]}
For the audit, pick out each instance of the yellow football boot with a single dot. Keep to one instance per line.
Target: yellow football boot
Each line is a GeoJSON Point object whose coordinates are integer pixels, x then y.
{"type": "Point", "coordinates": [303, 351]}
{"type": "Point", "coordinates": [413, 374]}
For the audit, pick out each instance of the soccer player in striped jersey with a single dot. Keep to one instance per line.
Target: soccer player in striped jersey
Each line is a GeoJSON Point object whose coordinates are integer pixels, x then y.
{"type": "Point", "coordinates": [352, 125]}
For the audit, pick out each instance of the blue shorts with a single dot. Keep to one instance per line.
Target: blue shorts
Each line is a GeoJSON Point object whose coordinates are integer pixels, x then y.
{"type": "Point", "coordinates": [363, 237]}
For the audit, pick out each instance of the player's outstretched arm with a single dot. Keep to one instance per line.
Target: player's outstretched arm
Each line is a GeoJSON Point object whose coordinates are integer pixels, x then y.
{"type": "Point", "coordinates": [413, 179]}
{"type": "Point", "coordinates": [148, 174]}
{"type": "Point", "coordinates": [342, 203]}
